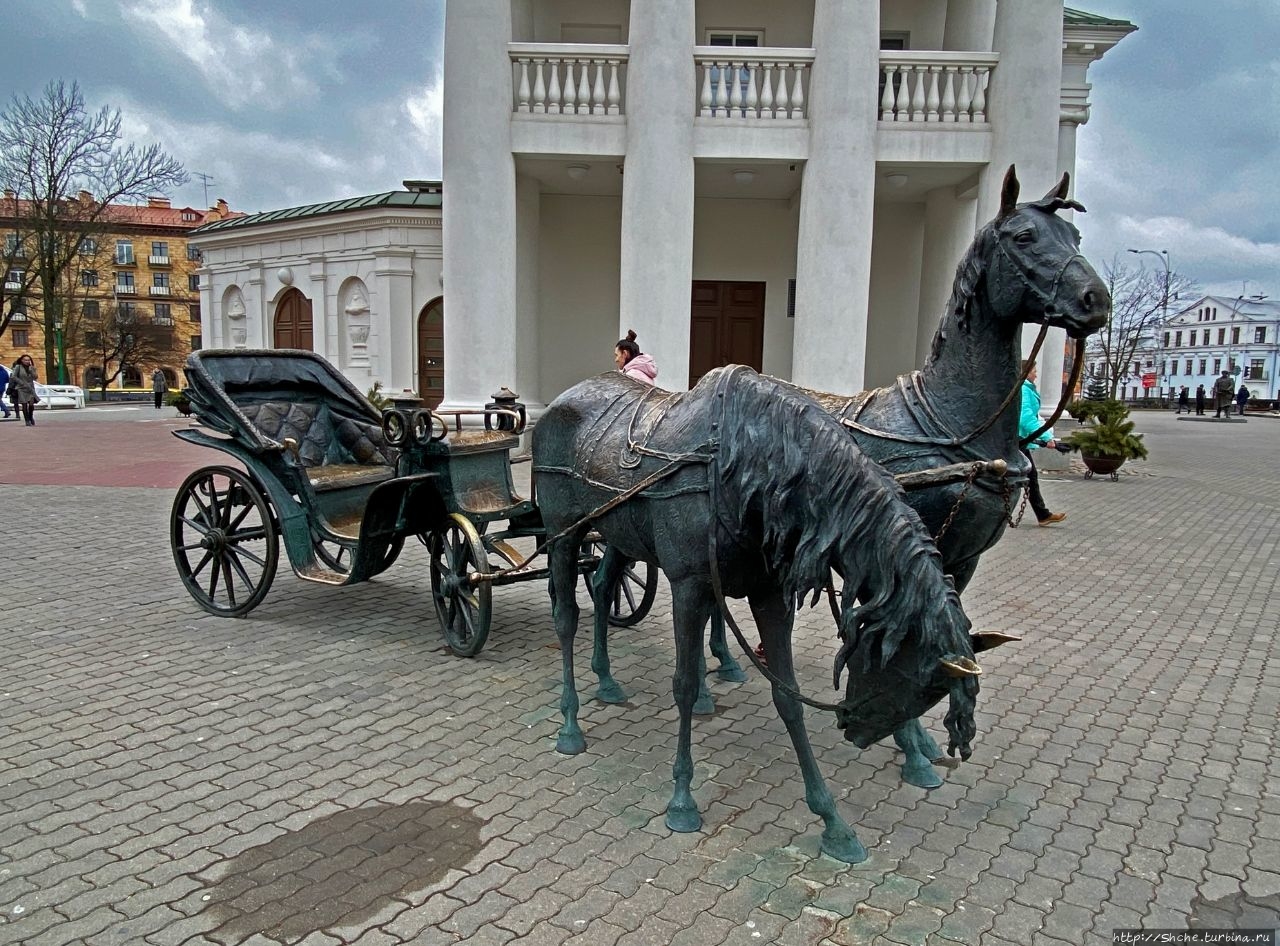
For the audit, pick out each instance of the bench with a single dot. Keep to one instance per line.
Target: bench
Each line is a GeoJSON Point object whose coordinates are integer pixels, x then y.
{"type": "Point", "coordinates": [337, 452]}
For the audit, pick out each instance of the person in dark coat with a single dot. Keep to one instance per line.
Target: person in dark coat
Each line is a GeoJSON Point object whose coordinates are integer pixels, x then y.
{"type": "Point", "coordinates": [4, 391]}
{"type": "Point", "coordinates": [1200, 399]}
{"type": "Point", "coordinates": [23, 380]}
{"type": "Point", "coordinates": [1183, 402]}
{"type": "Point", "coordinates": [1242, 398]}
{"type": "Point", "coordinates": [1224, 390]}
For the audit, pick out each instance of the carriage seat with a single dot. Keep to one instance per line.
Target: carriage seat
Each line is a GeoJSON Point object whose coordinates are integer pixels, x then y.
{"type": "Point", "coordinates": [337, 452]}
{"type": "Point", "coordinates": [461, 443]}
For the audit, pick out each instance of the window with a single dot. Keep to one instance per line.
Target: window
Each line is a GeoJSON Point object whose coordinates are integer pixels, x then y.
{"type": "Point", "coordinates": [193, 312]}
{"type": "Point", "coordinates": [21, 337]}
{"type": "Point", "coordinates": [1217, 366]}
{"type": "Point", "coordinates": [89, 309]}
{"type": "Point", "coordinates": [188, 215]}
{"type": "Point", "coordinates": [93, 340]}
{"type": "Point", "coordinates": [124, 282]}
{"type": "Point", "coordinates": [127, 311]}
{"type": "Point", "coordinates": [1214, 313]}
{"type": "Point", "coordinates": [1235, 335]}
{"type": "Point", "coordinates": [1177, 338]}
{"type": "Point", "coordinates": [1204, 366]}
{"type": "Point", "coordinates": [164, 314]}
{"type": "Point", "coordinates": [194, 254]}
{"type": "Point", "coordinates": [1137, 368]}
{"type": "Point", "coordinates": [13, 280]}
{"type": "Point", "coordinates": [13, 244]}
{"type": "Point", "coordinates": [1259, 335]}
{"type": "Point", "coordinates": [160, 249]}
{"type": "Point", "coordinates": [195, 342]}
{"type": "Point", "coordinates": [88, 246]}
{"type": "Point", "coordinates": [160, 280]}
{"type": "Point", "coordinates": [193, 282]}
{"type": "Point", "coordinates": [1188, 366]}
{"type": "Point", "coordinates": [1206, 336]}
{"type": "Point", "coordinates": [1222, 335]}
{"type": "Point", "coordinates": [93, 377]}
{"type": "Point", "coordinates": [1166, 339]}
{"type": "Point", "coordinates": [1255, 370]}
{"type": "Point", "coordinates": [124, 252]}
{"type": "Point", "coordinates": [88, 277]}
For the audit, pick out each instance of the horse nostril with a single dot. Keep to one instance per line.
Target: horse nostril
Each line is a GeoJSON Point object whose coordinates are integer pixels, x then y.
{"type": "Point", "coordinates": [1092, 300]}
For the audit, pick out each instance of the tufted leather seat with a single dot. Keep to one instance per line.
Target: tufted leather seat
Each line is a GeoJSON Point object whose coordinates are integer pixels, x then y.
{"type": "Point", "coordinates": [338, 451]}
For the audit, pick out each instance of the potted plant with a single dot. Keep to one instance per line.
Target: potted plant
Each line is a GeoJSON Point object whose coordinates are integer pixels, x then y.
{"type": "Point", "coordinates": [1106, 438]}
{"type": "Point", "coordinates": [180, 401]}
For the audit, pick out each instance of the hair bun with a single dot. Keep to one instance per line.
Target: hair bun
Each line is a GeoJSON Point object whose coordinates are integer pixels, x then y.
{"type": "Point", "coordinates": [631, 335]}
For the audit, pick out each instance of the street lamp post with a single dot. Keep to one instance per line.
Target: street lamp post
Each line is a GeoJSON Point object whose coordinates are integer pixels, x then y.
{"type": "Point", "coordinates": [1233, 328]}
{"type": "Point", "coordinates": [1163, 257]}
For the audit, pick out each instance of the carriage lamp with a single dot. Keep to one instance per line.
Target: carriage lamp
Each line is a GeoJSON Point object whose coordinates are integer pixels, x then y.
{"type": "Point", "coordinates": [395, 425]}
{"type": "Point", "coordinates": [505, 400]}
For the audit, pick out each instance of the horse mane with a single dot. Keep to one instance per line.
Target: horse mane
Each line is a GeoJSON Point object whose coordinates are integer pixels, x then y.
{"type": "Point", "coordinates": [820, 505]}
{"type": "Point", "coordinates": [964, 288]}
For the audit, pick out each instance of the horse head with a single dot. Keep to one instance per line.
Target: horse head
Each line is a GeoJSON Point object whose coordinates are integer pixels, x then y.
{"type": "Point", "coordinates": [900, 683]}
{"type": "Point", "coordinates": [1034, 270]}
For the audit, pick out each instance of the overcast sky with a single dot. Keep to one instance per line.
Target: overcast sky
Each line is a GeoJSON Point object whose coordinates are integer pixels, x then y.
{"type": "Point", "coordinates": [287, 103]}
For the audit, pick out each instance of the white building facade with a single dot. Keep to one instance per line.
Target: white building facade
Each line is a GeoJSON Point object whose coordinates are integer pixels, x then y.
{"type": "Point", "coordinates": [356, 280]}
{"type": "Point", "coordinates": [1241, 335]}
{"type": "Point", "coordinates": [788, 185]}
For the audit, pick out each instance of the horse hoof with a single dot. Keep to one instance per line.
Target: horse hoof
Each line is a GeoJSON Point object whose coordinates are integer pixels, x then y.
{"type": "Point", "coordinates": [570, 743]}
{"type": "Point", "coordinates": [921, 776]}
{"type": "Point", "coordinates": [684, 820]}
{"type": "Point", "coordinates": [731, 674]}
{"type": "Point", "coordinates": [843, 847]}
{"type": "Point", "coordinates": [704, 706]}
{"type": "Point", "coordinates": [611, 693]}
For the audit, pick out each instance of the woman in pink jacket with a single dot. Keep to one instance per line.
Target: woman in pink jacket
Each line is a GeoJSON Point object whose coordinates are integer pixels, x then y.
{"type": "Point", "coordinates": [627, 356]}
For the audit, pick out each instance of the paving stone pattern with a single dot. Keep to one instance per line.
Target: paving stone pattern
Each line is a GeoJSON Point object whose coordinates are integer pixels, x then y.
{"type": "Point", "coordinates": [324, 772]}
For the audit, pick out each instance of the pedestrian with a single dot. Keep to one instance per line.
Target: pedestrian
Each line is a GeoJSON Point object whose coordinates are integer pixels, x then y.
{"type": "Point", "coordinates": [1224, 390]}
{"type": "Point", "coordinates": [1183, 404]}
{"type": "Point", "coordinates": [1200, 399]}
{"type": "Point", "coordinates": [22, 384]}
{"type": "Point", "coordinates": [631, 362]}
{"type": "Point", "coordinates": [158, 386]}
{"type": "Point", "coordinates": [4, 392]}
{"type": "Point", "coordinates": [1028, 423]}
{"type": "Point", "coordinates": [1242, 398]}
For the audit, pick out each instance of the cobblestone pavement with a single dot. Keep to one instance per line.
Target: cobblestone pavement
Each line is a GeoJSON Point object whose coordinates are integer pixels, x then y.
{"type": "Point", "coordinates": [323, 772]}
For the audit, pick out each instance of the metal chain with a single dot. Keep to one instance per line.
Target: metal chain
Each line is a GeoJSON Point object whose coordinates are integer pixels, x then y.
{"type": "Point", "coordinates": [1008, 506]}
{"type": "Point", "coordinates": [968, 482]}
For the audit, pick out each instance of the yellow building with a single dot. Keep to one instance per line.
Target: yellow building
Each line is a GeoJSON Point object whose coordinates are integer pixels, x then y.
{"type": "Point", "coordinates": [136, 275]}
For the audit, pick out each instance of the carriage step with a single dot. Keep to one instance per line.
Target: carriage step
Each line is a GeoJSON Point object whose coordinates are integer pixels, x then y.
{"type": "Point", "coordinates": [318, 573]}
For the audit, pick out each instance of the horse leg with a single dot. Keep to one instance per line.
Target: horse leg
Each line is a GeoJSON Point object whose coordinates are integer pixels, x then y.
{"type": "Point", "coordinates": [730, 670]}
{"type": "Point", "coordinates": [564, 578]}
{"type": "Point", "coordinates": [774, 620]}
{"type": "Point", "coordinates": [603, 584]}
{"type": "Point", "coordinates": [691, 604]}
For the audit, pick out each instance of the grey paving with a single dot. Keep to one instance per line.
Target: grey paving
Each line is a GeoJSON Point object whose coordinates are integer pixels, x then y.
{"type": "Point", "coordinates": [323, 772]}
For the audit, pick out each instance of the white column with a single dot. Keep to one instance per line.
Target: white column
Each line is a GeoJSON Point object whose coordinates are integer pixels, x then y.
{"type": "Point", "coordinates": [833, 264]}
{"type": "Point", "coordinates": [657, 188]}
{"type": "Point", "coordinates": [949, 226]}
{"type": "Point", "coordinates": [479, 204]}
{"type": "Point", "coordinates": [969, 25]}
{"type": "Point", "coordinates": [259, 314]}
{"type": "Point", "coordinates": [394, 320]}
{"type": "Point", "coordinates": [323, 311]}
{"type": "Point", "coordinates": [526, 381]}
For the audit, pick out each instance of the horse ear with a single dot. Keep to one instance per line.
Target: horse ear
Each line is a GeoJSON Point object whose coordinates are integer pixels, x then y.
{"type": "Point", "coordinates": [1009, 192]}
{"type": "Point", "coordinates": [1060, 192]}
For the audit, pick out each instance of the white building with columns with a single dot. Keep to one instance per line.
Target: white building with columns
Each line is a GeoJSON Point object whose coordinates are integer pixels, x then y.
{"type": "Point", "coordinates": [356, 280]}
{"type": "Point", "coordinates": [788, 185]}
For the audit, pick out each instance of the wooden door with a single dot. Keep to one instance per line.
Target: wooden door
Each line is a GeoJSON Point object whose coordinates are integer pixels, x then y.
{"type": "Point", "coordinates": [431, 353]}
{"type": "Point", "coordinates": [293, 321]}
{"type": "Point", "coordinates": [726, 326]}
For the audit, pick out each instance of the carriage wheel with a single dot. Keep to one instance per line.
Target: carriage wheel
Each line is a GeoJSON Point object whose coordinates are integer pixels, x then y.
{"type": "Point", "coordinates": [464, 610]}
{"type": "Point", "coordinates": [224, 539]}
{"type": "Point", "coordinates": [634, 595]}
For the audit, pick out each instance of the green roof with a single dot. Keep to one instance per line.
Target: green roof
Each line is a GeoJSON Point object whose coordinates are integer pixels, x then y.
{"type": "Point", "coordinates": [413, 198]}
{"type": "Point", "coordinates": [1081, 18]}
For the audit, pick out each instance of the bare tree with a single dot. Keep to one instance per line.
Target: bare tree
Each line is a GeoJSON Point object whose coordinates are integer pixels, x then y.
{"type": "Point", "coordinates": [114, 336]}
{"type": "Point", "coordinates": [1140, 301]}
{"type": "Point", "coordinates": [64, 167]}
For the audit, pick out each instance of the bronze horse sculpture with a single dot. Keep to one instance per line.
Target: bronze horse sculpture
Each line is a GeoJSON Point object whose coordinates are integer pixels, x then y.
{"type": "Point", "coordinates": [746, 486]}
{"type": "Point", "coordinates": [1022, 267]}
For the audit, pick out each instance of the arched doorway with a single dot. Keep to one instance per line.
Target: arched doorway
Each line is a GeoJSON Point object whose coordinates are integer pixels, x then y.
{"type": "Point", "coordinates": [293, 321]}
{"type": "Point", "coordinates": [431, 353]}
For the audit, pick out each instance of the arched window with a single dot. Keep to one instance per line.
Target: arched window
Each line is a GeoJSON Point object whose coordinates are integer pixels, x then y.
{"type": "Point", "coordinates": [131, 377]}
{"type": "Point", "coordinates": [93, 377]}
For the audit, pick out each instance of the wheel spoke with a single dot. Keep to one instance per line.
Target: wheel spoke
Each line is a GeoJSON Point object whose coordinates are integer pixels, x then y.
{"type": "Point", "coordinates": [227, 582]}
{"type": "Point", "coordinates": [205, 559]}
{"type": "Point", "coordinates": [234, 560]}
{"type": "Point", "coordinates": [624, 591]}
{"type": "Point", "coordinates": [213, 578]}
{"type": "Point", "coordinates": [243, 514]}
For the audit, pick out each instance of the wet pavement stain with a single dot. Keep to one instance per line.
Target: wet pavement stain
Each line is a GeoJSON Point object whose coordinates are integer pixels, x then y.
{"type": "Point", "coordinates": [1237, 911]}
{"type": "Point", "coordinates": [342, 869]}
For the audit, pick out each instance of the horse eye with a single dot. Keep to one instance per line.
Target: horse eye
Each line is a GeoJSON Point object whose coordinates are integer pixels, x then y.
{"type": "Point", "coordinates": [1024, 237]}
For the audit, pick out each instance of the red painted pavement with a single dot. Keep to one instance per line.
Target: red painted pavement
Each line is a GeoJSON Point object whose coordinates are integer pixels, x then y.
{"type": "Point", "coordinates": [100, 451]}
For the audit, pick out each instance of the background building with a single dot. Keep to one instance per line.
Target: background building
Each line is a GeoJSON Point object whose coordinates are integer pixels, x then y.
{"type": "Point", "coordinates": [1216, 332]}
{"type": "Point", "coordinates": [130, 302]}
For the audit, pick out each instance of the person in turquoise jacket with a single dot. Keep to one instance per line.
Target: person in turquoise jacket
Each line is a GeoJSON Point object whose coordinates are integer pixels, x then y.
{"type": "Point", "coordinates": [1028, 423]}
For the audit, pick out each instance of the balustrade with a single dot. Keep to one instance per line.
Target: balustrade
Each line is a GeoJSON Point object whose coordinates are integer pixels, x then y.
{"type": "Point", "coordinates": [568, 78]}
{"type": "Point", "coordinates": [935, 87]}
{"type": "Point", "coordinates": [745, 82]}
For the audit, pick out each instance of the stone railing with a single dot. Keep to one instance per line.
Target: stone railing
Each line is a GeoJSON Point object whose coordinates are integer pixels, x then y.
{"type": "Point", "coordinates": [935, 87]}
{"type": "Point", "coordinates": [744, 82]}
{"type": "Point", "coordinates": [568, 78]}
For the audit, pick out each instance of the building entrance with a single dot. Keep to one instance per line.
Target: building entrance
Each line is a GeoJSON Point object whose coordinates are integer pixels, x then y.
{"type": "Point", "coordinates": [726, 326]}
